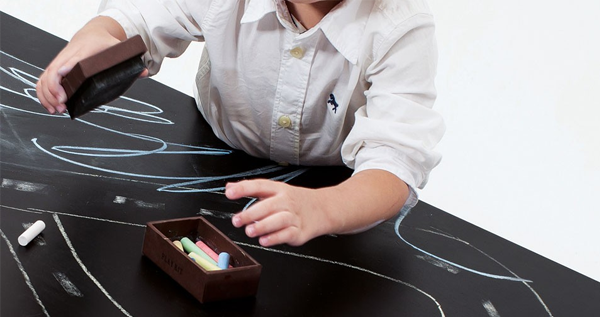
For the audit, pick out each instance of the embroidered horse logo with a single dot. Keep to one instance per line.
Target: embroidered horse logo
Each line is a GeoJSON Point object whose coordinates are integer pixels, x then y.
{"type": "Point", "coordinates": [332, 103]}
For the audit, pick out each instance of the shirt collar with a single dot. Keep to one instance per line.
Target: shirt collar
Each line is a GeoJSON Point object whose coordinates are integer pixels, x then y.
{"type": "Point", "coordinates": [256, 9]}
{"type": "Point", "coordinates": [343, 26]}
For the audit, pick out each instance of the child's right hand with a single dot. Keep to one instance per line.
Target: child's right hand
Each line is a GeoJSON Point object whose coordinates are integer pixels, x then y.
{"type": "Point", "coordinates": [97, 35]}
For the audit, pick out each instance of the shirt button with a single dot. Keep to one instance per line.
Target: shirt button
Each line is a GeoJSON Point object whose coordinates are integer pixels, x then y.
{"type": "Point", "coordinates": [297, 52]}
{"type": "Point", "coordinates": [284, 121]}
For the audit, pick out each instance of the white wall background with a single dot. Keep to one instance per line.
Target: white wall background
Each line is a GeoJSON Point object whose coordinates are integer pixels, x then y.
{"type": "Point", "coordinates": [519, 85]}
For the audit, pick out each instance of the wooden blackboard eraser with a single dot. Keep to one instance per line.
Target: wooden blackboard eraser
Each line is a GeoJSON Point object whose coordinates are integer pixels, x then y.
{"type": "Point", "coordinates": [103, 77]}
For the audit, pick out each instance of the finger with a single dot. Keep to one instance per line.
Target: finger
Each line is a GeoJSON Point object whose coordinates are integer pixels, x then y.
{"type": "Point", "coordinates": [56, 88]}
{"type": "Point", "coordinates": [145, 73]}
{"type": "Point", "coordinates": [276, 222]}
{"type": "Point", "coordinates": [39, 89]}
{"type": "Point", "coordinates": [64, 70]}
{"type": "Point", "coordinates": [62, 65]}
{"type": "Point", "coordinates": [258, 188]}
{"type": "Point", "coordinates": [58, 92]}
{"type": "Point", "coordinates": [46, 98]}
{"type": "Point", "coordinates": [51, 97]}
{"type": "Point", "coordinates": [50, 92]}
{"type": "Point", "coordinates": [257, 212]}
{"type": "Point", "coordinates": [289, 235]}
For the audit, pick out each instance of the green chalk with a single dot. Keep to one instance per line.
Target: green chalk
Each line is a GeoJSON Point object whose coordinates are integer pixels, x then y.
{"type": "Point", "coordinates": [190, 246]}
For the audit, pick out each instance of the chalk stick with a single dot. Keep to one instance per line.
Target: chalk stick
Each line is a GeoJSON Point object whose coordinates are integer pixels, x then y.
{"type": "Point", "coordinates": [208, 250]}
{"type": "Point", "coordinates": [213, 255]}
{"type": "Point", "coordinates": [189, 246]}
{"type": "Point", "coordinates": [31, 232]}
{"type": "Point", "coordinates": [223, 262]}
{"type": "Point", "coordinates": [203, 262]}
{"type": "Point", "coordinates": [103, 77]}
{"type": "Point", "coordinates": [178, 244]}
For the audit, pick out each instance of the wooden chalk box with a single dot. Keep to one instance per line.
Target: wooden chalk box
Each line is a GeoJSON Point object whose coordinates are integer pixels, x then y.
{"type": "Point", "coordinates": [241, 280]}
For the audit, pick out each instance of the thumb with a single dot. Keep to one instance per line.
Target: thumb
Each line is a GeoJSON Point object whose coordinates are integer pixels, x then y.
{"type": "Point", "coordinates": [64, 70]}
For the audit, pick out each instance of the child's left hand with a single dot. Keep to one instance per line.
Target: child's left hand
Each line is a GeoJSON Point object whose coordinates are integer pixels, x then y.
{"type": "Point", "coordinates": [282, 214]}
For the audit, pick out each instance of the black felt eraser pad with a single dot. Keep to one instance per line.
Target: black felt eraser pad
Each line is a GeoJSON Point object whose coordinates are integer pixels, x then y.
{"type": "Point", "coordinates": [103, 77]}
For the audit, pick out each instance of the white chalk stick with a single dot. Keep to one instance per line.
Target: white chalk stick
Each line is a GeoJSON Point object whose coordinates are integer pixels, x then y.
{"type": "Point", "coordinates": [31, 232]}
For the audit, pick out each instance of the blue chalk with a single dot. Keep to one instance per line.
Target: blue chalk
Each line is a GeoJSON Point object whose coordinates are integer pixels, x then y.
{"type": "Point", "coordinates": [223, 260]}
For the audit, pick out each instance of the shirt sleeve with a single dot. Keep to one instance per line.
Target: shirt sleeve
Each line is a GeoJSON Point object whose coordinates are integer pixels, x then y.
{"type": "Point", "coordinates": [167, 27]}
{"type": "Point", "coordinates": [397, 129]}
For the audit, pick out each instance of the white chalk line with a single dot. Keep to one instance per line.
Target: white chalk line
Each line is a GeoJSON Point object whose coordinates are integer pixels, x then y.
{"type": "Point", "coordinates": [67, 285]}
{"type": "Point", "coordinates": [86, 217]}
{"type": "Point", "coordinates": [350, 266]}
{"type": "Point", "coordinates": [106, 170]}
{"type": "Point", "coordinates": [189, 180]}
{"type": "Point", "coordinates": [490, 309]}
{"type": "Point", "coordinates": [444, 234]}
{"type": "Point", "coordinates": [161, 185]}
{"type": "Point", "coordinates": [22, 61]}
{"type": "Point", "coordinates": [21, 209]}
{"type": "Point", "coordinates": [21, 185]}
{"type": "Point", "coordinates": [500, 277]}
{"type": "Point", "coordinates": [119, 200]}
{"type": "Point", "coordinates": [25, 275]}
{"type": "Point", "coordinates": [140, 203]}
{"type": "Point", "coordinates": [84, 268]}
{"type": "Point", "coordinates": [449, 236]}
{"type": "Point", "coordinates": [147, 205]}
{"type": "Point", "coordinates": [215, 214]}
{"type": "Point", "coordinates": [439, 264]}
{"type": "Point", "coordinates": [88, 174]}
{"type": "Point", "coordinates": [13, 130]}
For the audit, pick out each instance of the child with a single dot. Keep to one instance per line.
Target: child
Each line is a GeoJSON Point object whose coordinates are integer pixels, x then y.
{"type": "Point", "coordinates": [303, 82]}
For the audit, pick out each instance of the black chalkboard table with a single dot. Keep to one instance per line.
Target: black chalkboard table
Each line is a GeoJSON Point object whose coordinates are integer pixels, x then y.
{"type": "Point", "coordinates": [96, 181]}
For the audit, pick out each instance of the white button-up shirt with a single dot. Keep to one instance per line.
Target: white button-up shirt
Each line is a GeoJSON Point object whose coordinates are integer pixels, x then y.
{"type": "Point", "coordinates": [356, 89]}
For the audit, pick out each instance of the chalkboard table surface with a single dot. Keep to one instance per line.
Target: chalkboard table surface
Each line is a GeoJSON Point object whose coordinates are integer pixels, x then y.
{"type": "Point", "coordinates": [97, 180]}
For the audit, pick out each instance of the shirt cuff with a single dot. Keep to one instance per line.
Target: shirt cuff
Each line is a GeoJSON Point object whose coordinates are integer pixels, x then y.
{"type": "Point", "coordinates": [121, 19]}
{"type": "Point", "coordinates": [390, 160]}
{"type": "Point", "coordinates": [131, 30]}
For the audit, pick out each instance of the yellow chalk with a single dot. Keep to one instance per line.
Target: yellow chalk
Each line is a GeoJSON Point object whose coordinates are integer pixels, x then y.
{"type": "Point", "coordinates": [203, 262]}
{"type": "Point", "coordinates": [178, 244]}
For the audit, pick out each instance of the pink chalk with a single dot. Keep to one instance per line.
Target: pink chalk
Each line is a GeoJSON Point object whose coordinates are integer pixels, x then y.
{"type": "Point", "coordinates": [211, 253]}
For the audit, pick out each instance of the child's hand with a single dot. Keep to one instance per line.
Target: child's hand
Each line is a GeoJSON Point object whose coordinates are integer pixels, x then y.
{"type": "Point", "coordinates": [283, 214]}
{"type": "Point", "coordinates": [294, 215]}
{"type": "Point", "coordinates": [99, 34]}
